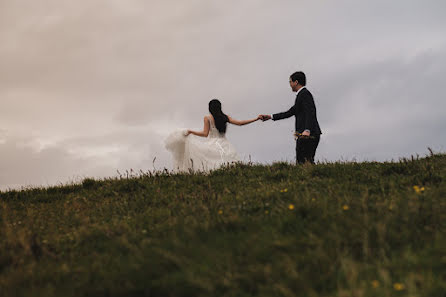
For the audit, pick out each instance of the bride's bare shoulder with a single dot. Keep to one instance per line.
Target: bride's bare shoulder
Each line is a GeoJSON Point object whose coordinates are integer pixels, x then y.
{"type": "Point", "coordinates": [210, 118]}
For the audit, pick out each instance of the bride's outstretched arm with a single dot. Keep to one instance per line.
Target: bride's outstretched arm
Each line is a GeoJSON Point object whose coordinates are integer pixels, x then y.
{"type": "Point", "coordinates": [241, 123]}
{"type": "Point", "coordinates": [205, 131]}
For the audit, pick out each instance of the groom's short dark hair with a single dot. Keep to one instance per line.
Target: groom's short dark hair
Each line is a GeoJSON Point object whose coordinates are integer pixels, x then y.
{"type": "Point", "coordinates": [300, 77]}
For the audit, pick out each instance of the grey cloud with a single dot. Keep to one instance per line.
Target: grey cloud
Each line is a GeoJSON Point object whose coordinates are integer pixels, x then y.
{"type": "Point", "coordinates": [105, 81]}
{"type": "Point", "coordinates": [388, 109]}
{"type": "Point", "coordinates": [23, 165]}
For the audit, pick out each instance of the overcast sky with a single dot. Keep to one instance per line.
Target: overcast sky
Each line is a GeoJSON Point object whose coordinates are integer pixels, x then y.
{"type": "Point", "coordinates": [91, 87]}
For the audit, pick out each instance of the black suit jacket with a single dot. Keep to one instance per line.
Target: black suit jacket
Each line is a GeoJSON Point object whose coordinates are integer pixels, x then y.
{"type": "Point", "coordinates": [304, 110]}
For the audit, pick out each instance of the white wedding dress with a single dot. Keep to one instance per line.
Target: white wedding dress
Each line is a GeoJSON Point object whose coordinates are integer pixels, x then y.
{"type": "Point", "coordinates": [194, 153]}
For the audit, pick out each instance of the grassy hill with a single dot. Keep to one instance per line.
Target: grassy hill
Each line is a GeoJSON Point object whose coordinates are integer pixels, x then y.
{"type": "Point", "coordinates": [339, 229]}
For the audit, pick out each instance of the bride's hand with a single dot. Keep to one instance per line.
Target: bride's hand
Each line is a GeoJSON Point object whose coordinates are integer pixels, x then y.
{"type": "Point", "coordinates": [187, 133]}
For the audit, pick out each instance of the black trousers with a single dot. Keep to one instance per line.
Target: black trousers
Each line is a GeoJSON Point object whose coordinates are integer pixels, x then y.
{"type": "Point", "coordinates": [306, 149]}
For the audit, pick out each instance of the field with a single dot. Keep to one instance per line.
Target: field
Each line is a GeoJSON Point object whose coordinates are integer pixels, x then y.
{"type": "Point", "coordinates": [335, 229]}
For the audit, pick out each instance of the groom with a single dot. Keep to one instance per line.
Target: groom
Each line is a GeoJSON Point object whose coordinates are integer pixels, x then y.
{"type": "Point", "coordinates": [307, 127]}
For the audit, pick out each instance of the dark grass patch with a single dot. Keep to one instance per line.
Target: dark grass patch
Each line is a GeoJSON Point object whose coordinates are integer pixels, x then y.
{"type": "Point", "coordinates": [342, 229]}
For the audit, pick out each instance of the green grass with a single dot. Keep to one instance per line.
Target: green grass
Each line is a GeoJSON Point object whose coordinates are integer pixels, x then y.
{"type": "Point", "coordinates": [337, 229]}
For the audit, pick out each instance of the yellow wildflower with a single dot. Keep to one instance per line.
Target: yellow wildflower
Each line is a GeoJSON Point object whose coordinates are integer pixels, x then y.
{"type": "Point", "coordinates": [313, 199]}
{"type": "Point", "coordinates": [220, 211]}
{"type": "Point", "coordinates": [291, 207]}
{"type": "Point", "coordinates": [418, 189]}
{"type": "Point", "coordinates": [266, 212]}
{"type": "Point", "coordinates": [345, 207]}
{"type": "Point", "coordinates": [398, 286]}
{"type": "Point", "coordinates": [284, 190]}
{"type": "Point", "coordinates": [375, 284]}
{"type": "Point", "coordinates": [65, 268]}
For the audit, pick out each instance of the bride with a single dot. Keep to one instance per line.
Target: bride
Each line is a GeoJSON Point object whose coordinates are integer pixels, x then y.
{"type": "Point", "coordinates": [210, 149]}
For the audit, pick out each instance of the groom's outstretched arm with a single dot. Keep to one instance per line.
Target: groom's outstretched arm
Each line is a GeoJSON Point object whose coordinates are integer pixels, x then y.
{"type": "Point", "coordinates": [284, 115]}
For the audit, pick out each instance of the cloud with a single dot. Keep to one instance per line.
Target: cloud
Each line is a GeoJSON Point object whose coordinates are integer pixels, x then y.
{"type": "Point", "coordinates": [102, 83]}
{"type": "Point", "coordinates": [22, 165]}
{"type": "Point", "coordinates": [27, 161]}
{"type": "Point", "coordinates": [388, 109]}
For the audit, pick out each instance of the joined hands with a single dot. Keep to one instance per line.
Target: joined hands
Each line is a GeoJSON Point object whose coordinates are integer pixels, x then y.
{"type": "Point", "coordinates": [264, 117]}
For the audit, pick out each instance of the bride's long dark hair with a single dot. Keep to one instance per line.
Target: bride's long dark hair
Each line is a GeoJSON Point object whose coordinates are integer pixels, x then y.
{"type": "Point", "coordinates": [220, 118]}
